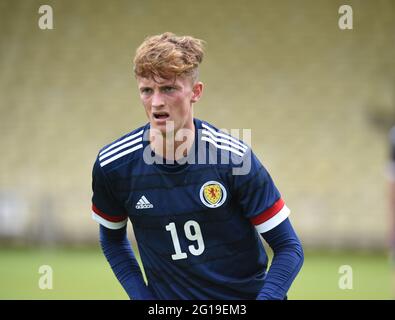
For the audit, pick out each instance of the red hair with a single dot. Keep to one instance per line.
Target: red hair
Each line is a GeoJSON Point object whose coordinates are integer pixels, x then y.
{"type": "Point", "coordinates": [167, 55]}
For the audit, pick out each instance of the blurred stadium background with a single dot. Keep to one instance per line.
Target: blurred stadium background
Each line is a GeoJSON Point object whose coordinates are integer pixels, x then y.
{"type": "Point", "coordinates": [319, 101]}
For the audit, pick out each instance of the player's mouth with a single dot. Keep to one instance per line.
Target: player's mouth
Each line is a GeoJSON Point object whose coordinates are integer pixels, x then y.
{"type": "Point", "coordinates": [161, 116]}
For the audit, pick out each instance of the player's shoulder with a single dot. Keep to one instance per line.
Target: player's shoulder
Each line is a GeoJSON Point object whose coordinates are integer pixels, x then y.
{"type": "Point", "coordinates": [222, 140]}
{"type": "Point", "coordinates": [123, 149]}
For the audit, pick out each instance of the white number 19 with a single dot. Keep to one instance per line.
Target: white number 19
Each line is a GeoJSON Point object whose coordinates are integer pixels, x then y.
{"type": "Point", "coordinates": [193, 233]}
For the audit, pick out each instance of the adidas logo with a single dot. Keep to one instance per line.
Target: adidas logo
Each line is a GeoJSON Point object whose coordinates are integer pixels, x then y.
{"type": "Point", "coordinates": [143, 203]}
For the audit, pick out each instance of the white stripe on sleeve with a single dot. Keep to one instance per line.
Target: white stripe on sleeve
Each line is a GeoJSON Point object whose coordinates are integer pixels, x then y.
{"type": "Point", "coordinates": [109, 224]}
{"type": "Point", "coordinates": [274, 221]}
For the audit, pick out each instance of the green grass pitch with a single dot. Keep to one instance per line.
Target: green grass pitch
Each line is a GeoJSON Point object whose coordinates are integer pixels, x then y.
{"type": "Point", "coordinates": [85, 274]}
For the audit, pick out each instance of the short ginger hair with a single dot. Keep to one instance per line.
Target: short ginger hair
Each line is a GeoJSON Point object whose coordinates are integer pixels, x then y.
{"type": "Point", "coordinates": [167, 56]}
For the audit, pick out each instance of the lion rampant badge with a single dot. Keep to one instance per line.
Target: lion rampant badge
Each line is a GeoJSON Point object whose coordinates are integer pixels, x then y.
{"type": "Point", "coordinates": [212, 194]}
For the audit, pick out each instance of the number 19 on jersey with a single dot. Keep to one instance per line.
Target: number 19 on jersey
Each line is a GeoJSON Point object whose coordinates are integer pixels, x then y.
{"type": "Point", "coordinates": [192, 232]}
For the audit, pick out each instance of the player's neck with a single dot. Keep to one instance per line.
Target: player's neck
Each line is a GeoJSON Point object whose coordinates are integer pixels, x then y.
{"type": "Point", "coordinates": [173, 146]}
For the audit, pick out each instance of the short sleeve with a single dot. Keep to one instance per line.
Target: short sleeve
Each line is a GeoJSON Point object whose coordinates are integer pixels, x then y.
{"type": "Point", "coordinates": [106, 210]}
{"type": "Point", "coordinates": [258, 196]}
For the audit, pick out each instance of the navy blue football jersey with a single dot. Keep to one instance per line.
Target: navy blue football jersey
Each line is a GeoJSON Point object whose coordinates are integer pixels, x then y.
{"type": "Point", "coordinates": [197, 221]}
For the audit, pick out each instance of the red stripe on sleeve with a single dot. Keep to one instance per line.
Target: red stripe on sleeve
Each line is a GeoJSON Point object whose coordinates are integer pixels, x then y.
{"type": "Point", "coordinates": [106, 216]}
{"type": "Point", "coordinates": [269, 213]}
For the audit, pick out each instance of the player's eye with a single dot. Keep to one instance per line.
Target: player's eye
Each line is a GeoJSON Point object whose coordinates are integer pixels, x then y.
{"type": "Point", "coordinates": [168, 89]}
{"type": "Point", "coordinates": [146, 91]}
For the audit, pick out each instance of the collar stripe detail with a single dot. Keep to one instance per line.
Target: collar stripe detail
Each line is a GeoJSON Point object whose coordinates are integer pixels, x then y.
{"type": "Point", "coordinates": [219, 146]}
{"type": "Point", "coordinates": [106, 155]}
{"type": "Point", "coordinates": [234, 145]}
{"type": "Point", "coordinates": [223, 135]}
{"type": "Point", "coordinates": [121, 141]}
{"type": "Point", "coordinates": [121, 154]}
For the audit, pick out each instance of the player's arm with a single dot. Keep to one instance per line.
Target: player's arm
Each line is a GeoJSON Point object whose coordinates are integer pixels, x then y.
{"type": "Point", "coordinates": [263, 205]}
{"type": "Point", "coordinates": [116, 248]}
{"type": "Point", "coordinates": [287, 260]}
{"type": "Point", "coordinates": [275, 227]}
{"type": "Point", "coordinates": [110, 214]}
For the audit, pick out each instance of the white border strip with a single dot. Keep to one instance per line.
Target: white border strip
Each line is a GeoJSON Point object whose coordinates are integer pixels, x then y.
{"type": "Point", "coordinates": [220, 146]}
{"type": "Point", "coordinates": [234, 145]}
{"type": "Point", "coordinates": [220, 134]}
{"type": "Point", "coordinates": [109, 224]}
{"type": "Point", "coordinates": [119, 155]}
{"type": "Point", "coordinates": [274, 221]}
{"type": "Point", "coordinates": [120, 148]}
{"type": "Point", "coordinates": [122, 141]}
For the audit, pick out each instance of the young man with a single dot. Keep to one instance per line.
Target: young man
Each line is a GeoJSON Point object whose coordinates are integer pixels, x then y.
{"type": "Point", "coordinates": [198, 198]}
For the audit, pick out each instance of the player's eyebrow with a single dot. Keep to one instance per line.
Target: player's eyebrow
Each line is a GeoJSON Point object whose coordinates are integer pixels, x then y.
{"type": "Point", "coordinates": [161, 87]}
{"type": "Point", "coordinates": [170, 85]}
{"type": "Point", "coordinates": [144, 88]}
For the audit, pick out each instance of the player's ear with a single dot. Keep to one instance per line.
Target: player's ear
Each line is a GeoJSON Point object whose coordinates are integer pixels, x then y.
{"type": "Point", "coordinates": [197, 91]}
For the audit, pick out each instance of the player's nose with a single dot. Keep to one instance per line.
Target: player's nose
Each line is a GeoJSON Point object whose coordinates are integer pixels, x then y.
{"type": "Point", "coordinates": [157, 100]}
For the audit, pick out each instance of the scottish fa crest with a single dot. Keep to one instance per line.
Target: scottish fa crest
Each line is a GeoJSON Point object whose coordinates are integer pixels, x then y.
{"type": "Point", "coordinates": [213, 194]}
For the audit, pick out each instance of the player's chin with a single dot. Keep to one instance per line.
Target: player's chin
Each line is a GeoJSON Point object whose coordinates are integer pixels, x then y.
{"type": "Point", "coordinates": [162, 128]}
{"type": "Point", "coordinates": [165, 125]}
